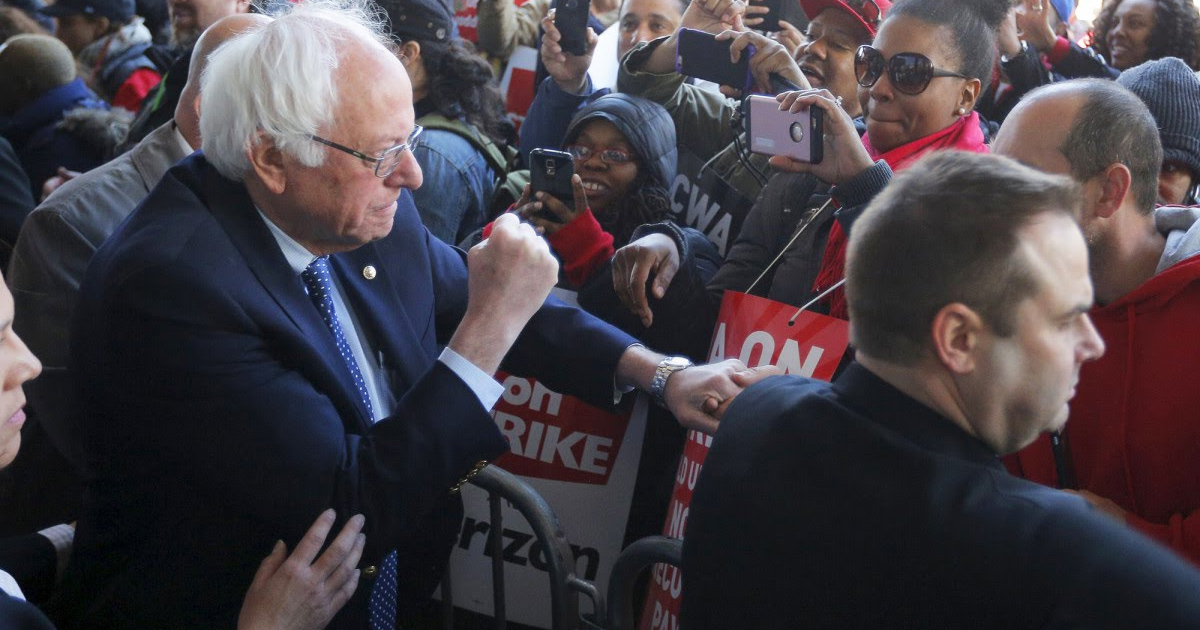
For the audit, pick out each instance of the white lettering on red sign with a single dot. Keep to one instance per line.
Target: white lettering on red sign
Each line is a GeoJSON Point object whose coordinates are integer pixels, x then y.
{"type": "Point", "coordinates": [548, 443]}
{"type": "Point", "coordinates": [761, 344]}
{"type": "Point", "coordinates": [519, 392]}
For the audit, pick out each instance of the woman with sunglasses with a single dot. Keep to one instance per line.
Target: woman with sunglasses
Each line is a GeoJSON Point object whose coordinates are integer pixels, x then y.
{"type": "Point", "coordinates": [623, 148]}
{"type": "Point", "coordinates": [918, 85]}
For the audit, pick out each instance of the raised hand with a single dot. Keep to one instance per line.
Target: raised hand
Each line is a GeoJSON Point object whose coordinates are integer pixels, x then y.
{"type": "Point", "coordinates": [568, 71]}
{"type": "Point", "coordinates": [844, 153]}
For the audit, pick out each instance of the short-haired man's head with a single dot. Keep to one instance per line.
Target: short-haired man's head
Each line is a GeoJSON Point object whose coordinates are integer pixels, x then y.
{"type": "Point", "coordinates": [945, 231]}
{"type": "Point", "coordinates": [279, 83]}
{"type": "Point", "coordinates": [1113, 126]}
{"type": "Point", "coordinates": [31, 66]}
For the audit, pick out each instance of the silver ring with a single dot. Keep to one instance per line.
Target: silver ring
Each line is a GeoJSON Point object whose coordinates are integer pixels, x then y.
{"type": "Point", "coordinates": [838, 101]}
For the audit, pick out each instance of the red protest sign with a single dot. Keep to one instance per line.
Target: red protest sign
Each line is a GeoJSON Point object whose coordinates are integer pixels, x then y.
{"type": "Point", "coordinates": [757, 331]}
{"type": "Point", "coordinates": [552, 436]}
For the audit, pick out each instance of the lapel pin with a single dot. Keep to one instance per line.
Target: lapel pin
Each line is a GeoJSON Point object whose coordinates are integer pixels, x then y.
{"type": "Point", "coordinates": [369, 272]}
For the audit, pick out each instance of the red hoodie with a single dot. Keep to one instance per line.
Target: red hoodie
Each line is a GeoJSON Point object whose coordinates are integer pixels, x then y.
{"type": "Point", "coordinates": [1134, 429]}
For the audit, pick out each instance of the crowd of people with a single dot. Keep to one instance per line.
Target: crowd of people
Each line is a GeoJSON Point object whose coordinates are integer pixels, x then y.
{"type": "Point", "coordinates": [266, 258]}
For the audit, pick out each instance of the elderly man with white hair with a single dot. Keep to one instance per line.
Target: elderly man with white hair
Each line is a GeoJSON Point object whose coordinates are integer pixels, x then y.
{"type": "Point", "coordinates": [273, 333]}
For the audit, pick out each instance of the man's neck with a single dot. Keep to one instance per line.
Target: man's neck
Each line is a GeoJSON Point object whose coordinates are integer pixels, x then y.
{"type": "Point", "coordinates": [924, 386]}
{"type": "Point", "coordinates": [1131, 257]}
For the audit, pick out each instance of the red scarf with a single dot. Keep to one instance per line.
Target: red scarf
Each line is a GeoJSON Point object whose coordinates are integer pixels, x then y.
{"type": "Point", "coordinates": [964, 135]}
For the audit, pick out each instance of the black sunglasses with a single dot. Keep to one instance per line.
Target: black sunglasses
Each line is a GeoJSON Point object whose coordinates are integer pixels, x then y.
{"type": "Point", "coordinates": [909, 73]}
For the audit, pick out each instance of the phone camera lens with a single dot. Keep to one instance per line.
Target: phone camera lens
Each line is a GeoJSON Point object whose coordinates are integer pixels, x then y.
{"type": "Point", "coordinates": [796, 131]}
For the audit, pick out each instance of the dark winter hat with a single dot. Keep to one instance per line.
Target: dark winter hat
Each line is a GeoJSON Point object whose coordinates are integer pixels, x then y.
{"type": "Point", "coordinates": [645, 124]}
{"type": "Point", "coordinates": [428, 20]}
{"type": "Point", "coordinates": [115, 10]}
{"type": "Point", "coordinates": [1172, 93]}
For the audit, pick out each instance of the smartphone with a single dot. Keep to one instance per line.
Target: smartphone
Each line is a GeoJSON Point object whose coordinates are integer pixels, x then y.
{"type": "Point", "coordinates": [571, 20]}
{"type": "Point", "coordinates": [700, 55]}
{"type": "Point", "coordinates": [799, 135]}
{"type": "Point", "coordinates": [550, 172]}
{"type": "Point", "coordinates": [770, 19]}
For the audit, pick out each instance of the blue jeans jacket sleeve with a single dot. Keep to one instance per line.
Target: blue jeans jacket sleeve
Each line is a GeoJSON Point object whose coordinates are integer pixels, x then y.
{"type": "Point", "coordinates": [457, 185]}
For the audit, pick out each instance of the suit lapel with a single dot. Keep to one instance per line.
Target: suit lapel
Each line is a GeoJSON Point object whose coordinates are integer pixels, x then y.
{"type": "Point", "coordinates": [233, 209]}
{"type": "Point", "coordinates": [381, 311]}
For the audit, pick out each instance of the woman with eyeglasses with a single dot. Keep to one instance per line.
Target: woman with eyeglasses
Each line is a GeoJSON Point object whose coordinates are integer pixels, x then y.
{"type": "Point", "coordinates": [623, 149]}
{"type": "Point", "coordinates": [918, 85]}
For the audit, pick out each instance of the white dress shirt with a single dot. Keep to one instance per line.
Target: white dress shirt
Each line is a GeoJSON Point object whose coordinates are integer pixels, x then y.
{"type": "Point", "coordinates": [485, 388]}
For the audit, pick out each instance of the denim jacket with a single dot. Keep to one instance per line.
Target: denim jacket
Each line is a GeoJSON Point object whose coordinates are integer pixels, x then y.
{"type": "Point", "coordinates": [457, 185]}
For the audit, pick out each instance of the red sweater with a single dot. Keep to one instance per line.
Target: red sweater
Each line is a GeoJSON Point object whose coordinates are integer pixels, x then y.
{"type": "Point", "coordinates": [1134, 429]}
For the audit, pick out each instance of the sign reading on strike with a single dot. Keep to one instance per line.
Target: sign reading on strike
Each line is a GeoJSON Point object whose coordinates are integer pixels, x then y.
{"type": "Point", "coordinates": [542, 445]}
{"type": "Point", "coordinates": [756, 331]}
{"type": "Point", "coordinates": [583, 460]}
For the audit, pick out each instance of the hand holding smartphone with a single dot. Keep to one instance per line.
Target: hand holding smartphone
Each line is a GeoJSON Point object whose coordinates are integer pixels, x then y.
{"type": "Point", "coordinates": [770, 19]}
{"type": "Point", "coordinates": [550, 172]}
{"type": "Point", "coordinates": [571, 19]}
{"type": "Point", "coordinates": [700, 55]}
{"type": "Point", "coordinates": [798, 135]}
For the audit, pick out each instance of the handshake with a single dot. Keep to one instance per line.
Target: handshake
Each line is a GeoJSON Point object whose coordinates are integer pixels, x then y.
{"type": "Point", "coordinates": [511, 274]}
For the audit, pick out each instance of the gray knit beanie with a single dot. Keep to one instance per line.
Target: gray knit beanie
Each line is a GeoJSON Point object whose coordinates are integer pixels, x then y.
{"type": "Point", "coordinates": [1172, 92]}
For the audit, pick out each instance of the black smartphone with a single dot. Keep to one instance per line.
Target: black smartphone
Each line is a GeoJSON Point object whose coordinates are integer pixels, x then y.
{"type": "Point", "coordinates": [700, 55]}
{"type": "Point", "coordinates": [550, 172]}
{"type": "Point", "coordinates": [770, 19]}
{"type": "Point", "coordinates": [799, 136]}
{"type": "Point", "coordinates": [571, 20]}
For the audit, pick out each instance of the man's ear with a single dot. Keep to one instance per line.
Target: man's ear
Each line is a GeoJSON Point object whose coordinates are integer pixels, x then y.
{"type": "Point", "coordinates": [100, 25]}
{"type": "Point", "coordinates": [267, 161]}
{"type": "Point", "coordinates": [957, 333]}
{"type": "Point", "coordinates": [1115, 182]}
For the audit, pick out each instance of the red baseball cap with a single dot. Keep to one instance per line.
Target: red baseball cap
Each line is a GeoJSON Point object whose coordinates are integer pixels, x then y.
{"type": "Point", "coordinates": [869, 15]}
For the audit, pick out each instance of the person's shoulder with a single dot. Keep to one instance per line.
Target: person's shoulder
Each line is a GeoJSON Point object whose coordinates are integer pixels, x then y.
{"type": "Point", "coordinates": [107, 193]}
{"type": "Point", "coordinates": [776, 407]}
{"type": "Point", "coordinates": [447, 145]}
{"type": "Point", "coordinates": [174, 220]}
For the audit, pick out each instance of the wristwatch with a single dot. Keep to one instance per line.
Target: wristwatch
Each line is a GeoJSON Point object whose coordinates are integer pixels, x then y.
{"type": "Point", "coordinates": [666, 367]}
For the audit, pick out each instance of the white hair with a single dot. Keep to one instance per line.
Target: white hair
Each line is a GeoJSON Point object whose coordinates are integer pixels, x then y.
{"type": "Point", "coordinates": [279, 82]}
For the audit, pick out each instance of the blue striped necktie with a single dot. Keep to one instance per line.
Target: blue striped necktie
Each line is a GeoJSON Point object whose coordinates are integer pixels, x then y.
{"type": "Point", "coordinates": [319, 282]}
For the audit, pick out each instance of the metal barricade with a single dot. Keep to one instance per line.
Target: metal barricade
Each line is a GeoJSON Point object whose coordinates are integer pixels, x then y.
{"type": "Point", "coordinates": [565, 586]}
{"type": "Point", "coordinates": [632, 561]}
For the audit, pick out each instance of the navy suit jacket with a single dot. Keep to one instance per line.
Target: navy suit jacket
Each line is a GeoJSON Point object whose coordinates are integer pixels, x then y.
{"type": "Point", "coordinates": [220, 416]}
{"type": "Point", "coordinates": [19, 615]}
{"type": "Point", "coordinates": [853, 505]}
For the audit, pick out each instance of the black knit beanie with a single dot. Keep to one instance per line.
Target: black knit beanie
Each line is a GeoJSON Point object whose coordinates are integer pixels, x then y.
{"type": "Point", "coordinates": [1172, 92]}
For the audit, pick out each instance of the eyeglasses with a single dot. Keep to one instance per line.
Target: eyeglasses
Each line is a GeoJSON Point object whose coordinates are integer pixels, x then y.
{"type": "Point", "coordinates": [909, 73]}
{"type": "Point", "coordinates": [384, 164]}
{"type": "Point", "coordinates": [614, 157]}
